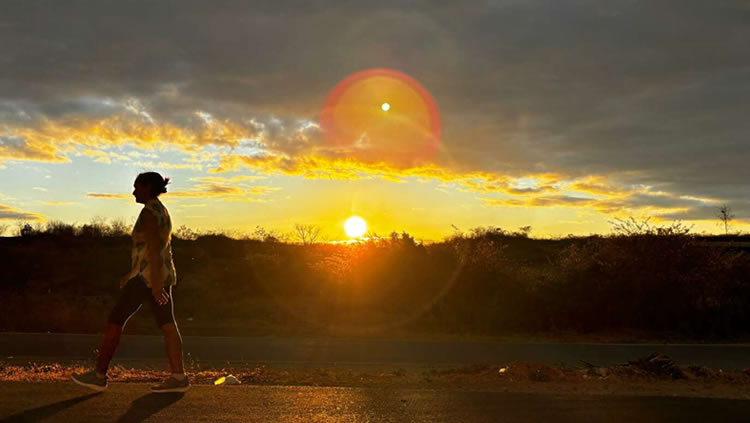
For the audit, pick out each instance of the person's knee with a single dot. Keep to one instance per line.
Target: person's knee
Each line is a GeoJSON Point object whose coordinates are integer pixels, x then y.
{"type": "Point", "coordinates": [114, 328]}
{"type": "Point", "coordinates": [169, 329]}
{"type": "Point", "coordinates": [118, 317]}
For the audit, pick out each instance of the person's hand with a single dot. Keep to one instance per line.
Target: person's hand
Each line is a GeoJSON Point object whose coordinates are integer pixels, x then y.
{"type": "Point", "coordinates": [124, 280]}
{"type": "Point", "coordinates": [160, 295]}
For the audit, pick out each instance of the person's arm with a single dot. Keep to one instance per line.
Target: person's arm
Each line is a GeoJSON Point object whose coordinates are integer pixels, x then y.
{"type": "Point", "coordinates": [153, 247]}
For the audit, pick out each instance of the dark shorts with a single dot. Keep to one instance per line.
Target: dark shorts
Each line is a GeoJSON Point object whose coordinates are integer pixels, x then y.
{"type": "Point", "coordinates": [133, 295]}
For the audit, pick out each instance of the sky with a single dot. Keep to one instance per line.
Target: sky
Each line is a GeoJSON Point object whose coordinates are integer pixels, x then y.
{"type": "Point", "coordinates": [561, 115]}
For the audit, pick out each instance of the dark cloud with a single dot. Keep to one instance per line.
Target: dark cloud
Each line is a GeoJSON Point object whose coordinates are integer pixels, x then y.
{"type": "Point", "coordinates": [708, 212]}
{"type": "Point", "coordinates": [642, 92]}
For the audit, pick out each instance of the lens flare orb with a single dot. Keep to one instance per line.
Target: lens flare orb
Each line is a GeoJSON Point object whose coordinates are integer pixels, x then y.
{"type": "Point", "coordinates": [382, 114]}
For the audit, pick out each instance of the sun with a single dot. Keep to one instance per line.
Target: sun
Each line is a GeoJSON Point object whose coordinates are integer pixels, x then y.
{"type": "Point", "coordinates": [355, 227]}
{"type": "Point", "coordinates": [385, 107]}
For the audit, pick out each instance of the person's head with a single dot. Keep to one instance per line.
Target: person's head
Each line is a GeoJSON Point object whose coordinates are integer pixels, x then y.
{"type": "Point", "coordinates": [149, 185]}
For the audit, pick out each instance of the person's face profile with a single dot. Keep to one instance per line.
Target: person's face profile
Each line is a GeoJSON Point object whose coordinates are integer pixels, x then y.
{"type": "Point", "coordinates": [140, 192]}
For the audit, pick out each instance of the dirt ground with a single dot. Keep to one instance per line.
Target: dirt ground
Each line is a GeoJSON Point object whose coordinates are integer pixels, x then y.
{"type": "Point", "coordinates": [654, 375]}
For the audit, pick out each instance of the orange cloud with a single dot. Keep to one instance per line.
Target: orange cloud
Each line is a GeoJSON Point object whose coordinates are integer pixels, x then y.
{"type": "Point", "coordinates": [546, 190]}
{"type": "Point", "coordinates": [14, 147]}
{"type": "Point", "coordinates": [345, 168]}
{"type": "Point", "coordinates": [51, 141]}
{"type": "Point", "coordinates": [99, 195]}
{"type": "Point", "coordinates": [165, 165]}
{"type": "Point", "coordinates": [12, 213]}
{"type": "Point", "coordinates": [208, 190]}
{"type": "Point", "coordinates": [614, 206]}
{"type": "Point", "coordinates": [103, 156]}
{"type": "Point", "coordinates": [595, 185]}
{"type": "Point", "coordinates": [224, 180]}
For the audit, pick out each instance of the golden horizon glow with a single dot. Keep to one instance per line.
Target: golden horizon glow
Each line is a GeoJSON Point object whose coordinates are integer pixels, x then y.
{"type": "Point", "coordinates": [355, 227]}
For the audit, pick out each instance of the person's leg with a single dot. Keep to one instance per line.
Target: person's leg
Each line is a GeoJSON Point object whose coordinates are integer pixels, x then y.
{"type": "Point", "coordinates": [164, 315]}
{"type": "Point", "coordinates": [108, 347]}
{"type": "Point", "coordinates": [173, 342]}
{"type": "Point", "coordinates": [128, 303]}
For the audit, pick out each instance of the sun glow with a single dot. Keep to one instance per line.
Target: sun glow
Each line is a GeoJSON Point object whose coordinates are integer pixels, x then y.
{"type": "Point", "coordinates": [355, 227]}
{"type": "Point", "coordinates": [385, 107]}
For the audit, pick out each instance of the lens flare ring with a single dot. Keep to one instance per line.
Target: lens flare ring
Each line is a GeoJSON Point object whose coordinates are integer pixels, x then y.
{"type": "Point", "coordinates": [363, 105]}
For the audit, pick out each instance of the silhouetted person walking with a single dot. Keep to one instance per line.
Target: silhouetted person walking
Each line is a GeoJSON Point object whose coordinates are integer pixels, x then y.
{"type": "Point", "coordinates": [150, 280]}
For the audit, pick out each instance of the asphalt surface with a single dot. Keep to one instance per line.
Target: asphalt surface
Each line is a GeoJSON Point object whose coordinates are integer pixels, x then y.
{"type": "Point", "coordinates": [66, 402]}
{"type": "Point", "coordinates": [326, 351]}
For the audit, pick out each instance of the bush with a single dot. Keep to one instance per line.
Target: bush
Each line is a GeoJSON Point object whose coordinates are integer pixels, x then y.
{"type": "Point", "coordinates": [117, 227]}
{"type": "Point", "coordinates": [26, 230]}
{"type": "Point", "coordinates": [96, 229]}
{"type": "Point", "coordinates": [649, 279]}
{"type": "Point", "coordinates": [58, 228]}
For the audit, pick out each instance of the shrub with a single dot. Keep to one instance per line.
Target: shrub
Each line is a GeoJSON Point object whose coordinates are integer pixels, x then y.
{"type": "Point", "coordinates": [58, 228]}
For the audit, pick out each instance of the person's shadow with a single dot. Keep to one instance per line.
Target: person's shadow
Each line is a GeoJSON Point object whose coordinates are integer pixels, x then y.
{"type": "Point", "coordinates": [40, 413]}
{"type": "Point", "coordinates": [148, 405]}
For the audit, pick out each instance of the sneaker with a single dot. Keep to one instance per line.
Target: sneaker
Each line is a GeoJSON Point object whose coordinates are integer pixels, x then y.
{"type": "Point", "coordinates": [172, 385]}
{"type": "Point", "coordinates": [90, 380]}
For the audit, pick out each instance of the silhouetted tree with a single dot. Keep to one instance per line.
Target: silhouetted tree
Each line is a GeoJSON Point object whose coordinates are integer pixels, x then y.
{"type": "Point", "coordinates": [183, 232]}
{"type": "Point", "coordinates": [725, 216]}
{"type": "Point", "coordinates": [307, 234]}
{"type": "Point", "coordinates": [264, 235]}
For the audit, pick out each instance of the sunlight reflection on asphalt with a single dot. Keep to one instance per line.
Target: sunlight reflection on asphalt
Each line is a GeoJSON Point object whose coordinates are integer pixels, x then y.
{"type": "Point", "coordinates": [129, 403]}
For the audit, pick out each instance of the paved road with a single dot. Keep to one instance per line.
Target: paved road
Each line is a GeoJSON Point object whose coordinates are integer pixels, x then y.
{"type": "Point", "coordinates": [369, 351]}
{"type": "Point", "coordinates": [128, 403]}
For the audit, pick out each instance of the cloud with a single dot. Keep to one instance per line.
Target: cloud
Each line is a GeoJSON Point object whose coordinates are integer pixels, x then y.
{"type": "Point", "coordinates": [12, 213]}
{"type": "Point", "coordinates": [596, 185]}
{"type": "Point", "coordinates": [237, 192]}
{"type": "Point", "coordinates": [104, 195]}
{"type": "Point", "coordinates": [209, 190]}
{"type": "Point", "coordinates": [225, 180]}
{"type": "Point", "coordinates": [165, 165]}
{"type": "Point", "coordinates": [104, 156]}
{"type": "Point", "coordinates": [18, 148]}
{"type": "Point", "coordinates": [608, 95]}
{"type": "Point", "coordinates": [640, 202]}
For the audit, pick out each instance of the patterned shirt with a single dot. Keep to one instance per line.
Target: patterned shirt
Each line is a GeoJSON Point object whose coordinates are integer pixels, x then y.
{"type": "Point", "coordinates": [140, 265]}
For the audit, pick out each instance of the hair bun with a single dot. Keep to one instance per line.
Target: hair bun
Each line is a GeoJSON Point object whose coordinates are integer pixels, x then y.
{"type": "Point", "coordinates": [155, 181]}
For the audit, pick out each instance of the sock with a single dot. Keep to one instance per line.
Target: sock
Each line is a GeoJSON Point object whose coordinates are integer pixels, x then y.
{"type": "Point", "coordinates": [100, 375]}
{"type": "Point", "coordinates": [178, 376]}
